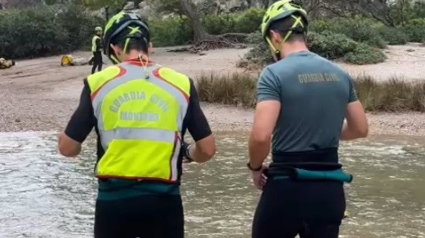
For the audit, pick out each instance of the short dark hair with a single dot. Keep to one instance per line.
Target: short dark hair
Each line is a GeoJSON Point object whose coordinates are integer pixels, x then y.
{"type": "Point", "coordinates": [285, 25]}
{"type": "Point", "coordinates": [139, 43]}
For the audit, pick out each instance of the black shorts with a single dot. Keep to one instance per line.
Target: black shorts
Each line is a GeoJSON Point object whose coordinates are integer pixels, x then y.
{"type": "Point", "coordinates": [312, 209]}
{"type": "Point", "coordinates": [153, 216]}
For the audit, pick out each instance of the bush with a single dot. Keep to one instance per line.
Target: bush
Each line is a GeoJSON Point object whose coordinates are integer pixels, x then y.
{"type": "Point", "coordinates": [393, 95]}
{"type": "Point", "coordinates": [330, 45]}
{"type": "Point", "coordinates": [365, 54]}
{"type": "Point", "coordinates": [79, 26]}
{"type": "Point", "coordinates": [30, 32]}
{"type": "Point", "coordinates": [170, 31]}
{"type": "Point", "coordinates": [415, 29]}
{"type": "Point", "coordinates": [219, 24]}
{"type": "Point", "coordinates": [250, 20]}
{"type": "Point", "coordinates": [41, 31]}
{"type": "Point", "coordinates": [393, 36]}
{"type": "Point", "coordinates": [359, 29]}
{"type": "Point", "coordinates": [245, 22]}
{"type": "Point", "coordinates": [260, 53]}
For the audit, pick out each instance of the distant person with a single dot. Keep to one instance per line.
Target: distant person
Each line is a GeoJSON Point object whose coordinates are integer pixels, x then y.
{"type": "Point", "coordinates": [96, 48]}
{"type": "Point", "coordinates": [302, 102]}
{"type": "Point", "coordinates": [141, 112]}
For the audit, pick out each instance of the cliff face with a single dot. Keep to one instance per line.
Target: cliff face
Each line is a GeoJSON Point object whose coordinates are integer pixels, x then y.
{"type": "Point", "coordinates": [18, 4]}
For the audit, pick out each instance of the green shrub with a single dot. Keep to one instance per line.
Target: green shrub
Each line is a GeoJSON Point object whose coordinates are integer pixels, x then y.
{"type": "Point", "coordinates": [41, 31]}
{"type": "Point", "coordinates": [79, 36]}
{"type": "Point", "coordinates": [245, 22]}
{"type": "Point", "coordinates": [170, 31]}
{"type": "Point", "coordinates": [393, 36]}
{"type": "Point", "coordinates": [321, 25]}
{"type": "Point", "coordinates": [330, 45]}
{"type": "Point", "coordinates": [365, 54]}
{"type": "Point", "coordinates": [415, 29]}
{"type": "Point", "coordinates": [359, 29]}
{"type": "Point", "coordinates": [250, 20]}
{"type": "Point", "coordinates": [219, 24]}
{"type": "Point", "coordinates": [260, 53]}
{"type": "Point", "coordinates": [30, 32]}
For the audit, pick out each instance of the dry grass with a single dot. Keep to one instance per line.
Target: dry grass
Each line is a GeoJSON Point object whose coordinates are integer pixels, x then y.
{"type": "Point", "coordinates": [394, 95]}
{"type": "Point", "coordinates": [236, 89]}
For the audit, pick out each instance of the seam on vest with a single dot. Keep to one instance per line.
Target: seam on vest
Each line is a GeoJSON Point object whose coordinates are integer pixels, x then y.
{"type": "Point", "coordinates": [123, 71]}
{"type": "Point", "coordinates": [156, 73]}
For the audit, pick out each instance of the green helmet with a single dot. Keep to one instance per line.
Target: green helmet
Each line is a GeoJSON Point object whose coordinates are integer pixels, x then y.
{"type": "Point", "coordinates": [98, 28]}
{"type": "Point", "coordinates": [124, 26]}
{"type": "Point", "coordinates": [281, 10]}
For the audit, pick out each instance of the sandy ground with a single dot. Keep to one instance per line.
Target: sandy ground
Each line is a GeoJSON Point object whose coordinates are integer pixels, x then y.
{"type": "Point", "coordinates": [40, 95]}
{"type": "Point", "coordinates": [405, 62]}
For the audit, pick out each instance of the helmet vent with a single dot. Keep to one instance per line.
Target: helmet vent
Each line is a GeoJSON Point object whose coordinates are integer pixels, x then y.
{"type": "Point", "coordinates": [267, 19]}
{"type": "Point", "coordinates": [280, 7]}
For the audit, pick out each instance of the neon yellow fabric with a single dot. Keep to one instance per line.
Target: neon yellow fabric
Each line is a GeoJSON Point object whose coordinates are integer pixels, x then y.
{"type": "Point", "coordinates": [124, 159]}
{"type": "Point", "coordinates": [93, 42]}
{"type": "Point", "coordinates": [96, 81]}
{"type": "Point", "coordinates": [144, 118]}
{"type": "Point", "coordinates": [179, 80]}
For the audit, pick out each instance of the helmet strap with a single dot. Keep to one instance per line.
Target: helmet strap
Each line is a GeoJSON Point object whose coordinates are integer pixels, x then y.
{"type": "Point", "coordinates": [114, 59]}
{"type": "Point", "coordinates": [298, 21]}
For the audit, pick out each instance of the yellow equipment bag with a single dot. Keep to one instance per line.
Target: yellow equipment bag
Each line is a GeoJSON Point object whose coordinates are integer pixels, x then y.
{"type": "Point", "coordinates": [5, 64]}
{"type": "Point", "coordinates": [67, 60]}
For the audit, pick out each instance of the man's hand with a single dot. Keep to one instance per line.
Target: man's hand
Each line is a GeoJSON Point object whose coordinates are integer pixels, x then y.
{"type": "Point", "coordinates": [186, 160]}
{"type": "Point", "coordinates": [259, 178]}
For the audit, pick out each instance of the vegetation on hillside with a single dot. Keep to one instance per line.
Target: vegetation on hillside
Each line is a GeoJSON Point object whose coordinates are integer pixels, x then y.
{"type": "Point", "coordinates": [353, 32]}
{"type": "Point", "coordinates": [42, 31]}
{"type": "Point", "coordinates": [393, 95]}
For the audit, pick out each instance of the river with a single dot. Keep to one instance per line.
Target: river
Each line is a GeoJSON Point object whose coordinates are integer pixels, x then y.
{"type": "Point", "coordinates": [45, 195]}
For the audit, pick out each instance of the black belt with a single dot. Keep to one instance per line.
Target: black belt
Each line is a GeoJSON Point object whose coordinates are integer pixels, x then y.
{"type": "Point", "coordinates": [316, 160]}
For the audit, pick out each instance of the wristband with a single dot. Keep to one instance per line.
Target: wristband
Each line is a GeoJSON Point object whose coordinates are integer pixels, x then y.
{"type": "Point", "coordinates": [254, 169]}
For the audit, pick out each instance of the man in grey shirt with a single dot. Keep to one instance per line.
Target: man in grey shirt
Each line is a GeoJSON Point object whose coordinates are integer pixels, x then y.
{"type": "Point", "coordinates": [303, 100]}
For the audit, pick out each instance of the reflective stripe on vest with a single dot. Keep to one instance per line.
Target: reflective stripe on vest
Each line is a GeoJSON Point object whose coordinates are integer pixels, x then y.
{"type": "Point", "coordinates": [93, 43]}
{"type": "Point", "coordinates": [140, 116]}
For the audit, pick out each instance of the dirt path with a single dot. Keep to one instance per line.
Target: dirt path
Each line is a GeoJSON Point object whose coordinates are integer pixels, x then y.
{"type": "Point", "coordinates": [41, 95]}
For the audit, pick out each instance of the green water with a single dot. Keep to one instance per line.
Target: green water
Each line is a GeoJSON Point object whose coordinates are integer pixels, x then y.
{"type": "Point", "coordinates": [45, 195]}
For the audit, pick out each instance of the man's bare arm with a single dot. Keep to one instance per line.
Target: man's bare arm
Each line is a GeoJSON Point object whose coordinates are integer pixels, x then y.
{"type": "Point", "coordinates": [266, 115]}
{"type": "Point", "coordinates": [356, 125]}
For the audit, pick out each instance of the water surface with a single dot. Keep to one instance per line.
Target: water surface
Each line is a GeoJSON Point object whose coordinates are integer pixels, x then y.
{"type": "Point", "coordinates": [45, 195]}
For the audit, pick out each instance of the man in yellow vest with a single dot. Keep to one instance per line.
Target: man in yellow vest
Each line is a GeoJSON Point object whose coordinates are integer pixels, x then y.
{"type": "Point", "coordinates": [141, 112]}
{"type": "Point", "coordinates": [96, 48]}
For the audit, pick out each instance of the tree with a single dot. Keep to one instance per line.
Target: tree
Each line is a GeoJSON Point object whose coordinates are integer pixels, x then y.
{"type": "Point", "coordinates": [191, 11]}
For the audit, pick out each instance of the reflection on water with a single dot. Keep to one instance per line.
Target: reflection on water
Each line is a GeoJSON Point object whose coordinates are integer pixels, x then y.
{"type": "Point", "coordinates": [45, 195]}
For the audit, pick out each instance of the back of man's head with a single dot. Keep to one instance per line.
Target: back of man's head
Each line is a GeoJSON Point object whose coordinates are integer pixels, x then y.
{"type": "Point", "coordinates": [299, 31]}
{"type": "Point", "coordinates": [132, 38]}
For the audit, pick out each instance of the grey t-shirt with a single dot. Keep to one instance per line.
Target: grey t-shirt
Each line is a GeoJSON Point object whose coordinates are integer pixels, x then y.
{"type": "Point", "coordinates": [314, 94]}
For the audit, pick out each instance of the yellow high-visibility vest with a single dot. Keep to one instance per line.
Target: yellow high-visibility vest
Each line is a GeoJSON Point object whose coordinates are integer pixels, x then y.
{"type": "Point", "coordinates": [140, 115]}
{"type": "Point", "coordinates": [93, 43]}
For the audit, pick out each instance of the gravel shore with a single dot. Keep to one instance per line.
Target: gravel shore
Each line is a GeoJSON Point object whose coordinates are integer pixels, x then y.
{"type": "Point", "coordinates": [40, 95]}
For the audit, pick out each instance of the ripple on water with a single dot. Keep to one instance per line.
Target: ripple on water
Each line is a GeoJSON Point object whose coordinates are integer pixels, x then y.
{"type": "Point", "coordinates": [45, 195]}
